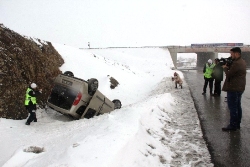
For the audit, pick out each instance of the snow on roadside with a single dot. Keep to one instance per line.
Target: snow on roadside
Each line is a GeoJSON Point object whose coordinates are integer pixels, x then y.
{"type": "Point", "coordinates": [183, 130]}
{"type": "Point", "coordinates": [157, 126]}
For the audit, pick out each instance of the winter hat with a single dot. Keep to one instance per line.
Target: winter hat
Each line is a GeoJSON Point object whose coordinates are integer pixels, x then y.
{"type": "Point", "coordinates": [210, 61]}
{"type": "Point", "coordinates": [33, 85]}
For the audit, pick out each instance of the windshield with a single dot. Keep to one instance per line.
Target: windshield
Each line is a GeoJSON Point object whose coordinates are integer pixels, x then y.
{"type": "Point", "coordinates": [62, 97]}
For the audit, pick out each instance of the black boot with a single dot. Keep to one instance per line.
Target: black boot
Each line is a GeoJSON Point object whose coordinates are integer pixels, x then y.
{"type": "Point", "coordinates": [229, 128]}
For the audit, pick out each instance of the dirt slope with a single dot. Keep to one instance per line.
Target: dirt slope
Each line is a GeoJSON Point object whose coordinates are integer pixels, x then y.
{"type": "Point", "coordinates": [24, 60]}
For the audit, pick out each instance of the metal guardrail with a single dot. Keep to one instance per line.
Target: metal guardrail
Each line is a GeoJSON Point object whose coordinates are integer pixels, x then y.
{"type": "Point", "coordinates": [169, 46]}
{"type": "Point", "coordinates": [198, 68]}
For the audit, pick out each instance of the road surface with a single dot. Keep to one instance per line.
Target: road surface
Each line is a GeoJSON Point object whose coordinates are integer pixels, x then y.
{"type": "Point", "coordinates": [229, 149]}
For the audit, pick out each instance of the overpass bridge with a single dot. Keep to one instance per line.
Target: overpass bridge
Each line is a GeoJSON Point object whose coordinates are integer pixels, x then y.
{"type": "Point", "coordinates": [206, 52]}
{"type": "Point", "coordinates": [203, 51]}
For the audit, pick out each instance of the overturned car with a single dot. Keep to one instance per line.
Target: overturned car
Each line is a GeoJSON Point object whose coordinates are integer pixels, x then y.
{"type": "Point", "coordinates": [79, 98]}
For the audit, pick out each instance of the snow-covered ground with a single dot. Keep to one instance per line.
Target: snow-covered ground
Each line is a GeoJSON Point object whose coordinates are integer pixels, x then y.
{"type": "Point", "coordinates": [156, 126]}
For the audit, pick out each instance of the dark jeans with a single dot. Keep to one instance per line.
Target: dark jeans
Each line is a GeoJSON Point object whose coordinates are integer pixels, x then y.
{"type": "Point", "coordinates": [234, 105]}
{"type": "Point", "coordinates": [210, 81]}
{"type": "Point", "coordinates": [217, 87]}
{"type": "Point", "coordinates": [32, 116]}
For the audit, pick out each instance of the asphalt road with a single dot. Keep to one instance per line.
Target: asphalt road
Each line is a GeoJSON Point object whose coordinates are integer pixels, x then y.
{"type": "Point", "coordinates": [229, 149]}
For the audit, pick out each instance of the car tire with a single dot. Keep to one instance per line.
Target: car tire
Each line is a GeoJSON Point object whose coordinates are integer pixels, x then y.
{"type": "Point", "coordinates": [92, 86]}
{"type": "Point", "coordinates": [90, 113]}
{"type": "Point", "coordinates": [69, 73]}
{"type": "Point", "coordinates": [117, 103]}
{"type": "Point", "coordinates": [80, 110]}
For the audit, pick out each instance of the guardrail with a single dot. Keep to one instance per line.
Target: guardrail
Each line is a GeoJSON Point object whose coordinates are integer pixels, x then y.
{"type": "Point", "coordinates": [169, 46]}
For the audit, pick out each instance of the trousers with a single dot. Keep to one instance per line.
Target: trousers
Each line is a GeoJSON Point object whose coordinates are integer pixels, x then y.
{"type": "Point", "coordinates": [234, 105]}
{"type": "Point", "coordinates": [217, 87]}
{"type": "Point", "coordinates": [32, 112]}
{"type": "Point", "coordinates": [210, 81]}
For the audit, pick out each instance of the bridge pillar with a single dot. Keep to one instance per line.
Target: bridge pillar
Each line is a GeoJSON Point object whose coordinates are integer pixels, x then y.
{"type": "Point", "coordinates": [202, 57]}
{"type": "Point", "coordinates": [246, 57]}
{"type": "Point", "coordinates": [174, 58]}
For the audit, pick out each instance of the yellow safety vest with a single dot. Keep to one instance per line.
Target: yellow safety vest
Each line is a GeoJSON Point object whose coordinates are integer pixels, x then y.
{"type": "Point", "coordinates": [209, 70]}
{"type": "Point", "coordinates": [29, 98]}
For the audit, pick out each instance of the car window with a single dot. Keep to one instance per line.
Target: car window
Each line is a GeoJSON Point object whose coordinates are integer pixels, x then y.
{"type": "Point", "coordinates": [62, 96]}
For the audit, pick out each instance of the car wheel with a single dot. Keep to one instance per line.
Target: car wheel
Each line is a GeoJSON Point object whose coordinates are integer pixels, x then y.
{"type": "Point", "coordinates": [117, 103]}
{"type": "Point", "coordinates": [92, 86]}
{"type": "Point", "coordinates": [81, 110]}
{"type": "Point", "coordinates": [90, 113]}
{"type": "Point", "coordinates": [69, 73]}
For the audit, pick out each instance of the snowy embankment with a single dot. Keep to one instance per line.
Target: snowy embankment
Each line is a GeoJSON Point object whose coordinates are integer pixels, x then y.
{"type": "Point", "coordinates": [156, 126]}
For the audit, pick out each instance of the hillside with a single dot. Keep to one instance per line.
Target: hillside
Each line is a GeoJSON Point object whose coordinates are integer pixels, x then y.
{"type": "Point", "coordinates": [24, 60]}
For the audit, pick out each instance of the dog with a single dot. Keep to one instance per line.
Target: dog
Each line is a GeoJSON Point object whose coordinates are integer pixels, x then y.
{"type": "Point", "coordinates": [177, 80]}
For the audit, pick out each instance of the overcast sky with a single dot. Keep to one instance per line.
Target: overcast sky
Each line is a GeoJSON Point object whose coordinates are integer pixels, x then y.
{"type": "Point", "coordinates": [109, 23]}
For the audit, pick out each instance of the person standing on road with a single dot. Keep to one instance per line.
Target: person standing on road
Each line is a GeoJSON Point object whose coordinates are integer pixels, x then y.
{"type": "Point", "coordinates": [30, 102]}
{"type": "Point", "coordinates": [207, 71]}
{"type": "Point", "coordinates": [218, 77]}
{"type": "Point", "coordinates": [234, 85]}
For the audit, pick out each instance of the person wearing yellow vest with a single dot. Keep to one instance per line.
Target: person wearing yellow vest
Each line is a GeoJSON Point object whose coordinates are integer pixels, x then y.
{"type": "Point", "coordinates": [207, 71]}
{"type": "Point", "coordinates": [30, 102]}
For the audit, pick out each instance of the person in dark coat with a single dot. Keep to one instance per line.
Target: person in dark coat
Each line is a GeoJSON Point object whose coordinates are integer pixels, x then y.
{"type": "Point", "coordinates": [30, 102]}
{"type": "Point", "coordinates": [234, 85]}
{"type": "Point", "coordinates": [218, 77]}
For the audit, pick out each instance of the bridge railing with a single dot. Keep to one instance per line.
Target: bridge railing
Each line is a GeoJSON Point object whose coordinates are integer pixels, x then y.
{"type": "Point", "coordinates": [168, 46]}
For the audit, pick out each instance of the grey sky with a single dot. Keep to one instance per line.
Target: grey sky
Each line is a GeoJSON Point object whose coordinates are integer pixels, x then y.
{"type": "Point", "coordinates": [109, 23]}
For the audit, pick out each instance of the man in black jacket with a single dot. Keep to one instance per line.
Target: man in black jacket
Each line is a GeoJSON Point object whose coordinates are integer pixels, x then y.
{"type": "Point", "coordinates": [218, 77]}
